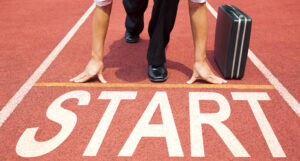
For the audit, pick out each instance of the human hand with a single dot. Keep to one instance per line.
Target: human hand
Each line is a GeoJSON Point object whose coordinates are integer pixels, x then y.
{"type": "Point", "coordinates": [201, 70]}
{"type": "Point", "coordinates": [93, 68]}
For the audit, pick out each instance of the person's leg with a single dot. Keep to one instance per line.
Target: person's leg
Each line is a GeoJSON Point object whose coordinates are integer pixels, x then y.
{"type": "Point", "coordinates": [95, 65]}
{"type": "Point", "coordinates": [160, 26]}
{"type": "Point", "coordinates": [199, 25]}
{"type": "Point", "coordinates": [134, 22]}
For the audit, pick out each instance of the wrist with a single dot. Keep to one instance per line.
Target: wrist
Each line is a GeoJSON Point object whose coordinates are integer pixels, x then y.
{"type": "Point", "coordinates": [97, 57]}
{"type": "Point", "coordinates": [200, 56]}
{"type": "Point", "coordinates": [200, 60]}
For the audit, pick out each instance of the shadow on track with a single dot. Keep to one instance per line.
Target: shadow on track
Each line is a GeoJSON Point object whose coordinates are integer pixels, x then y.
{"type": "Point", "coordinates": [131, 62]}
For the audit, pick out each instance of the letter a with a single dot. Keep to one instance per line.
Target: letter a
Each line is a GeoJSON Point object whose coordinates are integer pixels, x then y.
{"type": "Point", "coordinates": [144, 129]}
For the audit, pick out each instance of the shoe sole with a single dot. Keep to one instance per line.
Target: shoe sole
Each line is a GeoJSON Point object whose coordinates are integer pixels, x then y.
{"type": "Point", "coordinates": [158, 80]}
{"type": "Point", "coordinates": [128, 41]}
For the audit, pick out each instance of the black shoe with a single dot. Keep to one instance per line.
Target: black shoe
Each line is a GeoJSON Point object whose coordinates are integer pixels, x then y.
{"type": "Point", "coordinates": [157, 73]}
{"type": "Point", "coordinates": [131, 38]}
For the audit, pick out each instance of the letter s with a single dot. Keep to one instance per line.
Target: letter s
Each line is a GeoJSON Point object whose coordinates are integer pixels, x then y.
{"type": "Point", "coordinates": [27, 146]}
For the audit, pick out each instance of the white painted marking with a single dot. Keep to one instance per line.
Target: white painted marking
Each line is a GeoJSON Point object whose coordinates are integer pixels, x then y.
{"type": "Point", "coordinates": [212, 10]}
{"type": "Point", "coordinates": [213, 119]}
{"type": "Point", "coordinates": [264, 125]}
{"type": "Point", "coordinates": [21, 93]}
{"type": "Point", "coordinates": [100, 132]}
{"type": "Point", "coordinates": [286, 95]}
{"type": "Point", "coordinates": [144, 129]}
{"type": "Point", "coordinates": [27, 146]}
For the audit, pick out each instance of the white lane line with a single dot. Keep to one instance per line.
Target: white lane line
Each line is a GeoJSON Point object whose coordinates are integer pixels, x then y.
{"type": "Point", "coordinates": [286, 95]}
{"type": "Point", "coordinates": [21, 93]}
{"type": "Point", "coordinates": [212, 10]}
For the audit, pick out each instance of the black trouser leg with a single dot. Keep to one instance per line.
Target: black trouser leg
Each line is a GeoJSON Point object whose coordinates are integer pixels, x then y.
{"type": "Point", "coordinates": [160, 26]}
{"type": "Point", "coordinates": [135, 15]}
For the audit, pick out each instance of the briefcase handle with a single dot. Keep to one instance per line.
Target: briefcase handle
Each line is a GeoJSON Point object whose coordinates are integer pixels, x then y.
{"type": "Point", "coordinates": [233, 10]}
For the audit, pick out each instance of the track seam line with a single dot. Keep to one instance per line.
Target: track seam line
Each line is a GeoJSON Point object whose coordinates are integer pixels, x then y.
{"type": "Point", "coordinates": [286, 95]}
{"type": "Point", "coordinates": [22, 92]}
{"type": "Point", "coordinates": [147, 85]}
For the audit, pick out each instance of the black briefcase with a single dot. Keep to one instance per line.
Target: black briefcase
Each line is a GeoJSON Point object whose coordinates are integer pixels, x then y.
{"type": "Point", "coordinates": [232, 41]}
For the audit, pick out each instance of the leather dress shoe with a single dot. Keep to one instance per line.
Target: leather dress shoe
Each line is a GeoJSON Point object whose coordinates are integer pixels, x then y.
{"type": "Point", "coordinates": [131, 38]}
{"type": "Point", "coordinates": [157, 73]}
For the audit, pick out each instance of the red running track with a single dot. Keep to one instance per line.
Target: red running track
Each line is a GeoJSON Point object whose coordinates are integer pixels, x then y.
{"type": "Point", "coordinates": [34, 34]}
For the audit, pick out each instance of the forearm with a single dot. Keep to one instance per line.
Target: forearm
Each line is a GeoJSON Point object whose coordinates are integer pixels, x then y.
{"type": "Point", "coordinates": [100, 26]}
{"type": "Point", "coordinates": [199, 25]}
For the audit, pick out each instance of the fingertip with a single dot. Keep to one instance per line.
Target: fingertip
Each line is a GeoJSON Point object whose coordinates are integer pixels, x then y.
{"type": "Point", "coordinates": [224, 81]}
{"type": "Point", "coordinates": [82, 80]}
{"type": "Point", "coordinates": [103, 81]}
{"type": "Point", "coordinates": [191, 81]}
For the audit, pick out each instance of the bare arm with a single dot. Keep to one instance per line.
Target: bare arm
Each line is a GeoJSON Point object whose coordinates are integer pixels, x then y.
{"type": "Point", "coordinates": [199, 25]}
{"type": "Point", "coordinates": [95, 65]}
